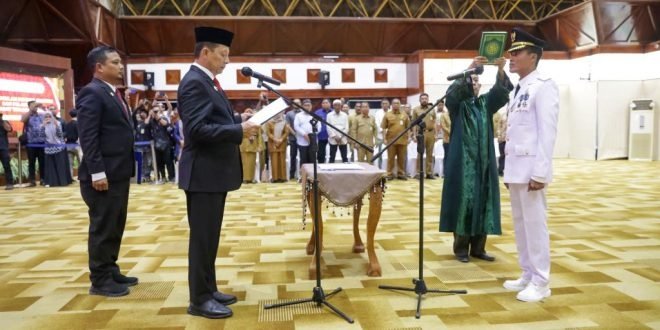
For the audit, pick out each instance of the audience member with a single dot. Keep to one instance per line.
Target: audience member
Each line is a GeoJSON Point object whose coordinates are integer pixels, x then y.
{"type": "Point", "coordinates": [278, 132]}
{"type": "Point", "coordinates": [338, 119]}
{"type": "Point", "coordinates": [5, 128]}
{"type": "Point", "coordinates": [323, 133]}
{"type": "Point", "coordinates": [56, 162]}
{"type": "Point", "coordinates": [32, 121]}
{"type": "Point", "coordinates": [395, 122]}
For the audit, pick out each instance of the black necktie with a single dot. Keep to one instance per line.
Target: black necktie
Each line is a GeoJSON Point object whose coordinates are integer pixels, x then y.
{"type": "Point", "coordinates": [517, 89]}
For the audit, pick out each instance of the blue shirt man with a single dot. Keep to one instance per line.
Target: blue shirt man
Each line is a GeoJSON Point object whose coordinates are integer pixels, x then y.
{"type": "Point", "coordinates": [323, 134]}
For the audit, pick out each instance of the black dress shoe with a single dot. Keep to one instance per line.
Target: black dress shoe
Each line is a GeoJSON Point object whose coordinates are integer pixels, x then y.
{"type": "Point", "coordinates": [122, 279]}
{"type": "Point", "coordinates": [210, 309]}
{"type": "Point", "coordinates": [463, 258]}
{"type": "Point", "coordinates": [483, 256]}
{"type": "Point", "coordinates": [223, 298]}
{"type": "Point", "coordinates": [110, 289]}
{"type": "Point", "coordinates": [430, 177]}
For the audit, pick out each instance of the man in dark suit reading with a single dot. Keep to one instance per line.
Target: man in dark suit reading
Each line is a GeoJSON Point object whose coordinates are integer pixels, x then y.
{"type": "Point", "coordinates": [210, 165]}
{"type": "Point", "coordinates": [106, 138]}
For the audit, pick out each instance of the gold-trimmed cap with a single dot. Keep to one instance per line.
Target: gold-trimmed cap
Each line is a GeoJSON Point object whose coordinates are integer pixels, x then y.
{"type": "Point", "coordinates": [521, 39]}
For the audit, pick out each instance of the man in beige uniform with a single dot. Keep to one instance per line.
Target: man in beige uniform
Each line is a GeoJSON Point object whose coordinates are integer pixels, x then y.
{"type": "Point", "coordinates": [394, 122]}
{"type": "Point", "coordinates": [250, 146]}
{"type": "Point", "coordinates": [351, 129]}
{"type": "Point", "coordinates": [365, 131]}
{"type": "Point", "coordinates": [429, 134]}
{"type": "Point", "coordinates": [445, 124]}
{"type": "Point", "coordinates": [499, 125]}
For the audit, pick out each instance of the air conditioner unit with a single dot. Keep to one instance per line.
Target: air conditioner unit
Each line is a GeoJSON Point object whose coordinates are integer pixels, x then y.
{"type": "Point", "coordinates": [640, 142]}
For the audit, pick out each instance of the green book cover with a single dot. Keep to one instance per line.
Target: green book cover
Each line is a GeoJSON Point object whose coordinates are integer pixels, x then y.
{"type": "Point", "coordinates": [492, 45]}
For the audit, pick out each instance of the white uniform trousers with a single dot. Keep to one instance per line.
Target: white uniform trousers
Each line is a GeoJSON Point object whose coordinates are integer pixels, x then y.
{"type": "Point", "coordinates": [528, 209]}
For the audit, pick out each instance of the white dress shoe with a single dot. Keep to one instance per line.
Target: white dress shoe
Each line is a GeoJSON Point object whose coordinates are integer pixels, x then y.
{"type": "Point", "coordinates": [533, 293]}
{"type": "Point", "coordinates": [516, 285]}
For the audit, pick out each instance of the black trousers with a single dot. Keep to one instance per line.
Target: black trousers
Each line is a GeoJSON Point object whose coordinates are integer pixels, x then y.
{"type": "Point", "coordinates": [306, 155]}
{"type": "Point", "coordinates": [35, 154]}
{"type": "Point", "coordinates": [500, 164]}
{"type": "Point", "coordinates": [164, 159]}
{"type": "Point", "coordinates": [293, 161]}
{"type": "Point", "coordinates": [464, 245]}
{"type": "Point", "coordinates": [343, 150]}
{"type": "Point", "coordinates": [4, 157]}
{"type": "Point", "coordinates": [205, 212]}
{"type": "Point", "coordinates": [320, 157]}
{"type": "Point", "coordinates": [107, 219]}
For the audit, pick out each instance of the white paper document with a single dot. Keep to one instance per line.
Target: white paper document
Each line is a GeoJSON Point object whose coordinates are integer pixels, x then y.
{"type": "Point", "coordinates": [269, 111]}
{"type": "Point", "coordinates": [339, 167]}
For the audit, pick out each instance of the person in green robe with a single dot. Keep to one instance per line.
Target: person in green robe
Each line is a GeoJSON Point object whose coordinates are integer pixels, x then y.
{"type": "Point", "coordinates": [470, 195]}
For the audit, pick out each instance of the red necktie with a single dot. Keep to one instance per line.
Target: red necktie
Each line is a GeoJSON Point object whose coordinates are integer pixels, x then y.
{"type": "Point", "coordinates": [217, 84]}
{"type": "Point", "coordinates": [123, 106]}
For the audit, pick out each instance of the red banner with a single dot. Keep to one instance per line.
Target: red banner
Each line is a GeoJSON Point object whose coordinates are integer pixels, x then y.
{"type": "Point", "coordinates": [17, 89]}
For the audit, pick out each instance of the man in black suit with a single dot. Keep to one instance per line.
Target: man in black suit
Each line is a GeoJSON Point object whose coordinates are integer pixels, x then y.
{"type": "Point", "coordinates": [210, 165]}
{"type": "Point", "coordinates": [106, 137]}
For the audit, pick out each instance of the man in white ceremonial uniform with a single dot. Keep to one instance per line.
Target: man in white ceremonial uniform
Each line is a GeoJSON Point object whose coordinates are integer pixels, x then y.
{"type": "Point", "coordinates": [531, 133]}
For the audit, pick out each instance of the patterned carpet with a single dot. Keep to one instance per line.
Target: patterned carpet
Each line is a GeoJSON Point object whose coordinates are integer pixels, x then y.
{"type": "Point", "coordinates": [605, 236]}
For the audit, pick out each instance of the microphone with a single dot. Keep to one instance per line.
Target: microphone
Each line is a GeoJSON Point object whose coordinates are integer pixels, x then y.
{"type": "Point", "coordinates": [475, 70]}
{"type": "Point", "coordinates": [246, 71]}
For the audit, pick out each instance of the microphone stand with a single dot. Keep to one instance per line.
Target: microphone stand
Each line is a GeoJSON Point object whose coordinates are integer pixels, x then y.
{"type": "Point", "coordinates": [318, 295]}
{"type": "Point", "coordinates": [420, 286]}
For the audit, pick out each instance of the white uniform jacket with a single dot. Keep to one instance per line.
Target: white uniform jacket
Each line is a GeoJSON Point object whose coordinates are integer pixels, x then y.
{"type": "Point", "coordinates": [531, 130]}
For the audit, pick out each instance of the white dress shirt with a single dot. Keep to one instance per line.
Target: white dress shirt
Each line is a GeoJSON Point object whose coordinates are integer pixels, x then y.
{"type": "Point", "coordinates": [339, 120]}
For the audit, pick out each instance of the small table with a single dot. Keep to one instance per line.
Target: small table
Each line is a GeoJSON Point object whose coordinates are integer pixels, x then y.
{"type": "Point", "coordinates": [347, 187]}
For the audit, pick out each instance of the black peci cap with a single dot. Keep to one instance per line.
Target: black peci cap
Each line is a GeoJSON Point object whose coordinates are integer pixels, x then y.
{"type": "Point", "coordinates": [521, 39]}
{"type": "Point", "coordinates": [214, 35]}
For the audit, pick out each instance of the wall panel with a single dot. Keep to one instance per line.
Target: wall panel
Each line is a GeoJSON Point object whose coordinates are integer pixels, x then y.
{"type": "Point", "coordinates": [614, 98]}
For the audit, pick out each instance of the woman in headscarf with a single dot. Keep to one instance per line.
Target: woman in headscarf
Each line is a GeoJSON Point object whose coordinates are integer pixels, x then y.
{"type": "Point", "coordinates": [56, 167]}
{"type": "Point", "coordinates": [278, 131]}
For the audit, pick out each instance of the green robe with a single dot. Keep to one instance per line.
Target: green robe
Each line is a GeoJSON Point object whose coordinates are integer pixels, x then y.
{"type": "Point", "coordinates": [470, 194]}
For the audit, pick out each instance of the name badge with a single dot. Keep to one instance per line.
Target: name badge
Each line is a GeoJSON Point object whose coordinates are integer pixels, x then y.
{"type": "Point", "coordinates": [401, 122]}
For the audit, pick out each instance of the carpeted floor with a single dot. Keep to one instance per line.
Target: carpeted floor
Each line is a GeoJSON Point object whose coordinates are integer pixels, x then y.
{"type": "Point", "coordinates": [605, 240]}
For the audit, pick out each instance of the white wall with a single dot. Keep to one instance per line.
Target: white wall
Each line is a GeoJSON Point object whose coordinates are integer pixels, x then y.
{"type": "Point", "coordinates": [614, 98]}
{"type": "Point", "coordinates": [296, 74]}
{"type": "Point", "coordinates": [651, 90]}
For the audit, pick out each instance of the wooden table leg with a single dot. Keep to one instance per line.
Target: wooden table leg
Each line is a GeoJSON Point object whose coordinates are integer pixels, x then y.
{"type": "Point", "coordinates": [375, 205]}
{"type": "Point", "coordinates": [358, 246]}
{"type": "Point", "coordinates": [310, 245]}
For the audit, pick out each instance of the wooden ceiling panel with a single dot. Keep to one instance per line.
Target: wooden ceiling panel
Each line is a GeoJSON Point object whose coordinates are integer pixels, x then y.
{"type": "Point", "coordinates": [348, 75]}
{"type": "Point", "coordinates": [241, 79]}
{"type": "Point", "coordinates": [628, 21]}
{"type": "Point", "coordinates": [279, 74]}
{"type": "Point", "coordinates": [289, 40]}
{"type": "Point", "coordinates": [575, 27]}
{"type": "Point", "coordinates": [254, 39]}
{"type": "Point", "coordinates": [107, 29]}
{"type": "Point", "coordinates": [380, 75]}
{"type": "Point", "coordinates": [142, 38]}
{"type": "Point", "coordinates": [364, 39]}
